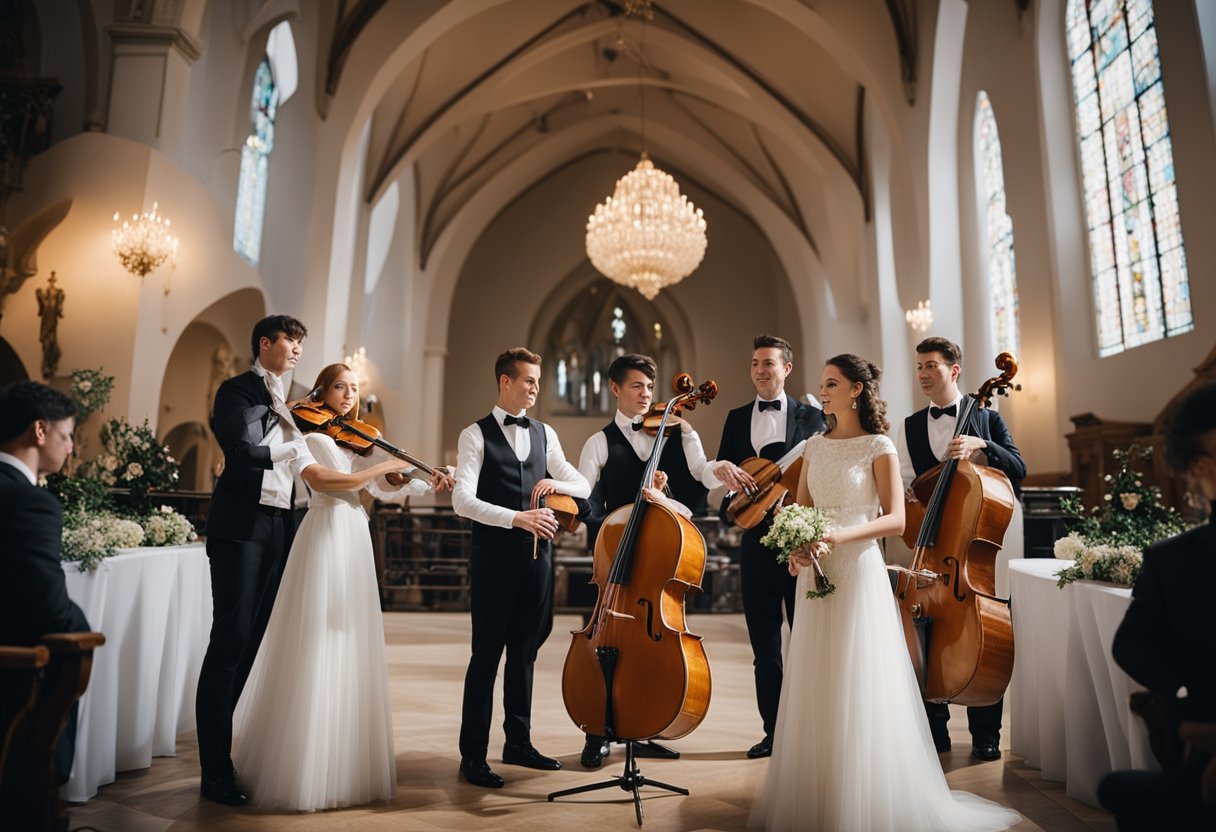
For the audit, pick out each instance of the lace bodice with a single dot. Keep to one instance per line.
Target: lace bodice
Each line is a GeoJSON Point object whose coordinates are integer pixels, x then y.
{"type": "Point", "coordinates": [840, 475]}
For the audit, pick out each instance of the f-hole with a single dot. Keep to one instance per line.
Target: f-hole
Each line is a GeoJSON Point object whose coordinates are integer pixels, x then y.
{"type": "Point", "coordinates": [952, 563]}
{"type": "Point", "coordinates": [645, 602]}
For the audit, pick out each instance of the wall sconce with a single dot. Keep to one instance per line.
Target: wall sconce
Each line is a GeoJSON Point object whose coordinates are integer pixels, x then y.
{"type": "Point", "coordinates": [920, 318]}
{"type": "Point", "coordinates": [144, 243]}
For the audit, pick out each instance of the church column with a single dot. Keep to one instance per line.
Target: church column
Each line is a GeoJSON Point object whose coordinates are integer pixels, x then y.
{"type": "Point", "coordinates": [149, 83]}
{"type": "Point", "coordinates": [434, 365]}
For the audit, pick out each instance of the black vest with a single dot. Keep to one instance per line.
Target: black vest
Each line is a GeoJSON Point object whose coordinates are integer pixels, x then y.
{"type": "Point", "coordinates": [622, 473]}
{"type": "Point", "coordinates": [507, 482]}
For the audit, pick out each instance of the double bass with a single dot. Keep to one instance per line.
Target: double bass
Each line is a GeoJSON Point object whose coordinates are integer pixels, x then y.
{"type": "Point", "coordinates": [959, 634]}
{"type": "Point", "coordinates": [636, 672]}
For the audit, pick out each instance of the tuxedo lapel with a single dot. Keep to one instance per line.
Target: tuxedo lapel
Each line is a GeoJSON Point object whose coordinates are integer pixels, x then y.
{"type": "Point", "coordinates": [793, 415]}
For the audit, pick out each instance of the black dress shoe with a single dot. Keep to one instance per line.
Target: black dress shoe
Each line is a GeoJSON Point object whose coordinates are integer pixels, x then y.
{"type": "Point", "coordinates": [222, 789]}
{"type": "Point", "coordinates": [479, 773]}
{"type": "Point", "coordinates": [655, 751]}
{"type": "Point", "coordinates": [526, 755]}
{"type": "Point", "coordinates": [595, 751]}
{"type": "Point", "coordinates": [764, 748]}
{"type": "Point", "coordinates": [986, 751]}
{"type": "Point", "coordinates": [941, 743]}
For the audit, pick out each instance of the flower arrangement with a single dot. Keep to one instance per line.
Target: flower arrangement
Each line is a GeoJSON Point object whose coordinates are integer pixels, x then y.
{"type": "Point", "coordinates": [132, 458]}
{"type": "Point", "coordinates": [794, 526]}
{"type": "Point", "coordinates": [165, 527]}
{"type": "Point", "coordinates": [1109, 539]}
{"type": "Point", "coordinates": [91, 390]}
{"type": "Point", "coordinates": [89, 537]}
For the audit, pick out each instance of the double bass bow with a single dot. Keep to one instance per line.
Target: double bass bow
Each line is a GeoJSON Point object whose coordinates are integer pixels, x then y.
{"type": "Point", "coordinates": [959, 634]}
{"type": "Point", "coordinates": [636, 672]}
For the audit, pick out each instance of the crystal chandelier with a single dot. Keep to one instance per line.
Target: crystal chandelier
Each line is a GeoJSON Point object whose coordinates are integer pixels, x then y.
{"type": "Point", "coordinates": [144, 243]}
{"type": "Point", "coordinates": [920, 318]}
{"type": "Point", "coordinates": [647, 235]}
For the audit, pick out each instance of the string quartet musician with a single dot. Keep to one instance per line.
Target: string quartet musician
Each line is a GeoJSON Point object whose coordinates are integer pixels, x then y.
{"type": "Point", "coordinates": [506, 461]}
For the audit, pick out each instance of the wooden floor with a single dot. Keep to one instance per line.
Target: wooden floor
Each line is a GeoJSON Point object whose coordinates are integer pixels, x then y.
{"type": "Point", "coordinates": [427, 653]}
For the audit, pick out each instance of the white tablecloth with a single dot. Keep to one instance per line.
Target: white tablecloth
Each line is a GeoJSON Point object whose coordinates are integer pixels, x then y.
{"type": "Point", "coordinates": [154, 607]}
{"type": "Point", "coordinates": [1069, 709]}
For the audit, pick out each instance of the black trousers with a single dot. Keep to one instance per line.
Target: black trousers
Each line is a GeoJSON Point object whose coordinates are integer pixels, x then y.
{"type": "Point", "coordinates": [984, 722]}
{"type": "Point", "coordinates": [511, 605]}
{"type": "Point", "coordinates": [766, 585]}
{"type": "Point", "coordinates": [244, 579]}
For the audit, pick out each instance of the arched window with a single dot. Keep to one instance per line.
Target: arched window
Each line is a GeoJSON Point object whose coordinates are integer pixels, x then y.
{"type": "Point", "coordinates": [1136, 254]}
{"type": "Point", "coordinates": [601, 323]}
{"type": "Point", "coordinates": [273, 83]}
{"type": "Point", "coordinates": [1002, 276]}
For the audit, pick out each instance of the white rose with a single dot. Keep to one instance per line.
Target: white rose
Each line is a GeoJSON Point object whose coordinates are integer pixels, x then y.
{"type": "Point", "coordinates": [1130, 501]}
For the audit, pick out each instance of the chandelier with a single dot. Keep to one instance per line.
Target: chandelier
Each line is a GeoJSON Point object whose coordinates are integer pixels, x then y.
{"type": "Point", "coordinates": [142, 244]}
{"type": "Point", "coordinates": [920, 318]}
{"type": "Point", "coordinates": [647, 235]}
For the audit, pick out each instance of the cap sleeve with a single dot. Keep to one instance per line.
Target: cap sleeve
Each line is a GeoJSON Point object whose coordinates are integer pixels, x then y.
{"type": "Point", "coordinates": [881, 446]}
{"type": "Point", "coordinates": [326, 452]}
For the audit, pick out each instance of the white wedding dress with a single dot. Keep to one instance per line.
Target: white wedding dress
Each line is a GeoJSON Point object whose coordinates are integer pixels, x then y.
{"type": "Point", "coordinates": [852, 749]}
{"type": "Point", "coordinates": [313, 726]}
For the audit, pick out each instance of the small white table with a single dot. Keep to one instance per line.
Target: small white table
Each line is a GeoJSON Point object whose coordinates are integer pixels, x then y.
{"type": "Point", "coordinates": [1069, 710]}
{"type": "Point", "coordinates": [154, 607]}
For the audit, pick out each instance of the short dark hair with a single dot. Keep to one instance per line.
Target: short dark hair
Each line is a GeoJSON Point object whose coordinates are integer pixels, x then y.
{"type": "Point", "coordinates": [24, 402]}
{"type": "Point", "coordinates": [1193, 416]}
{"type": "Point", "coordinates": [644, 364]}
{"type": "Point", "coordinates": [950, 351]}
{"type": "Point", "coordinates": [274, 326]}
{"type": "Point", "coordinates": [507, 364]}
{"type": "Point", "coordinates": [772, 341]}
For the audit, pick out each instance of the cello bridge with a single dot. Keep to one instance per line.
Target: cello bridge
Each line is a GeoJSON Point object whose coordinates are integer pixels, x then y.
{"type": "Point", "coordinates": [924, 577]}
{"type": "Point", "coordinates": [621, 615]}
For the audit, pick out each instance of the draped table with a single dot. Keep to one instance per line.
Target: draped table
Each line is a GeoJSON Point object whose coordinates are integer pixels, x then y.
{"type": "Point", "coordinates": [154, 607]}
{"type": "Point", "coordinates": [1069, 713]}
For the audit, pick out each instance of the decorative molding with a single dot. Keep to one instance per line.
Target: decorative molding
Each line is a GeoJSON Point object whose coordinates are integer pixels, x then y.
{"type": "Point", "coordinates": [185, 43]}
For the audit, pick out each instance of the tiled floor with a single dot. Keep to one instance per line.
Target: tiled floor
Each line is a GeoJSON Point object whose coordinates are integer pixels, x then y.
{"type": "Point", "coordinates": [427, 655]}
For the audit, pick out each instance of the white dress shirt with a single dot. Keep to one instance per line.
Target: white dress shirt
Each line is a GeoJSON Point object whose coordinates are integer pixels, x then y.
{"type": "Point", "coordinates": [941, 431]}
{"type": "Point", "coordinates": [595, 452]}
{"type": "Point", "coordinates": [769, 426]}
{"type": "Point", "coordinates": [20, 466]}
{"type": "Point", "coordinates": [470, 452]}
{"type": "Point", "coordinates": [288, 451]}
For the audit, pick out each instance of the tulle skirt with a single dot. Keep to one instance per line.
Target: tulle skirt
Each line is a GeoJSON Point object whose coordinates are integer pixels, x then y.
{"type": "Point", "coordinates": [313, 726]}
{"type": "Point", "coordinates": [852, 749]}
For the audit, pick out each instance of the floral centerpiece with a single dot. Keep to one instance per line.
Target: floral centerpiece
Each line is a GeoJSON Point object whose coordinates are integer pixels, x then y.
{"type": "Point", "coordinates": [1108, 541]}
{"type": "Point", "coordinates": [794, 526]}
{"type": "Point", "coordinates": [89, 537]}
{"type": "Point", "coordinates": [132, 458]}
{"type": "Point", "coordinates": [165, 527]}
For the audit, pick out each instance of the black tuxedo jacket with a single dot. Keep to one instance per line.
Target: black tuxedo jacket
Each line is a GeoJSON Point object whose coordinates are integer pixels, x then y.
{"type": "Point", "coordinates": [240, 418]}
{"type": "Point", "coordinates": [33, 594]}
{"type": "Point", "coordinates": [1168, 636]}
{"type": "Point", "coordinates": [988, 425]}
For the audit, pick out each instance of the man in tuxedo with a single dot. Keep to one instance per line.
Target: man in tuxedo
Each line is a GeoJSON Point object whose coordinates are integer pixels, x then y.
{"type": "Point", "coordinates": [506, 462]}
{"type": "Point", "coordinates": [769, 426]}
{"type": "Point", "coordinates": [614, 460]}
{"type": "Point", "coordinates": [36, 424]}
{"type": "Point", "coordinates": [927, 438]}
{"type": "Point", "coordinates": [1168, 637]}
{"type": "Point", "coordinates": [249, 533]}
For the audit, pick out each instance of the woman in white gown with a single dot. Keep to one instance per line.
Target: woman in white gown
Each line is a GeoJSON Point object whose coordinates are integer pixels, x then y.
{"type": "Point", "coordinates": [313, 725]}
{"type": "Point", "coordinates": [852, 749]}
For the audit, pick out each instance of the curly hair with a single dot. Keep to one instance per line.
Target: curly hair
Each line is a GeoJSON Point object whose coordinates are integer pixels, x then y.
{"type": "Point", "coordinates": [871, 409]}
{"type": "Point", "coordinates": [24, 402]}
{"type": "Point", "coordinates": [1188, 420]}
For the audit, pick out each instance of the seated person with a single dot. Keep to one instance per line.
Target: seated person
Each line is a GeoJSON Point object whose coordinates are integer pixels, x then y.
{"type": "Point", "coordinates": [36, 424]}
{"type": "Point", "coordinates": [1168, 636]}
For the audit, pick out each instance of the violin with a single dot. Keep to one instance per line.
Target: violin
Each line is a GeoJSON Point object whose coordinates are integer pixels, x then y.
{"type": "Point", "coordinates": [653, 417]}
{"type": "Point", "coordinates": [776, 485]}
{"type": "Point", "coordinates": [959, 634]}
{"type": "Point", "coordinates": [636, 671]}
{"type": "Point", "coordinates": [312, 416]}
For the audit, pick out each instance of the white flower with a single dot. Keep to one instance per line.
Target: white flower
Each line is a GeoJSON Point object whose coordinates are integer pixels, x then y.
{"type": "Point", "coordinates": [133, 470]}
{"type": "Point", "coordinates": [1066, 548]}
{"type": "Point", "coordinates": [85, 386]}
{"type": "Point", "coordinates": [1107, 497]}
{"type": "Point", "coordinates": [1130, 500]}
{"type": "Point", "coordinates": [1106, 478]}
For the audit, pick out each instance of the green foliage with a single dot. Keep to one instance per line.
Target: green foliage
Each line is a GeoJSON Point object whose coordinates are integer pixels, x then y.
{"type": "Point", "coordinates": [91, 390]}
{"type": "Point", "coordinates": [80, 494]}
{"type": "Point", "coordinates": [1131, 513]}
{"type": "Point", "coordinates": [132, 458]}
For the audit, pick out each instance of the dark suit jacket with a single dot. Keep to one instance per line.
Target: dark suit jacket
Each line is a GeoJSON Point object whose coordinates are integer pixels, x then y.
{"type": "Point", "coordinates": [33, 594]}
{"type": "Point", "coordinates": [988, 425]}
{"type": "Point", "coordinates": [1168, 636]}
{"type": "Point", "coordinates": [240, 418]}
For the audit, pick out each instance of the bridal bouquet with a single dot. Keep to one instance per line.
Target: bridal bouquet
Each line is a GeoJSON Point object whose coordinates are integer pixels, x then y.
{"type": "Point", "coordinates": [795, 526]}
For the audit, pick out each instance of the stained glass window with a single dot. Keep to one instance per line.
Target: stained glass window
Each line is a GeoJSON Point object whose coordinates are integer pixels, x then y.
{"type": "Point", "coordinates": [1136, 256]}
{"type": "Point", "coordinates": [1002, 276]}
{"type": "Point", "coordinates": [255, 156]}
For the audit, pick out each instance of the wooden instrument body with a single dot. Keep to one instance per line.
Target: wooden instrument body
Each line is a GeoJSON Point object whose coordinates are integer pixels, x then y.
{"type": "Point", "coordinates": [773, 488]}
{"type": "Point", "coordinates": [970, 648]}
{"type": "Point", "coordinates": [564, 508]}
{"type": "Point", "coordinates": [661, 685]}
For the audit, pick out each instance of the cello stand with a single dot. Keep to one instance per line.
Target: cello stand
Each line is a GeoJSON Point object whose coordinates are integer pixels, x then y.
{"type": "Point", "coordinates": [631, 781]}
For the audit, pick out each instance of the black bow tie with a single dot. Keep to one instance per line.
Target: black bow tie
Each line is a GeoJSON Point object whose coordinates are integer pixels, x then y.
{"type": "Point", "coordinates": [775, 404]}
{"type": "Point", "coordinates": [522, 421]}
{"type": "Point", "coordinates": [938, 412]}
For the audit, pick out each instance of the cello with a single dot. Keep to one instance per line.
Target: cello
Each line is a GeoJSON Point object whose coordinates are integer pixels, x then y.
{"type": "Point", "coordinates": [959, 634]}
{"type": "Point", "coordinates": [636, 672]}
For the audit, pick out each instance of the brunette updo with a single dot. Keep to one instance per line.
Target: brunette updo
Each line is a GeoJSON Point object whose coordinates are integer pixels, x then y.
{"type": "Point", "coordinates": [870, 408]}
